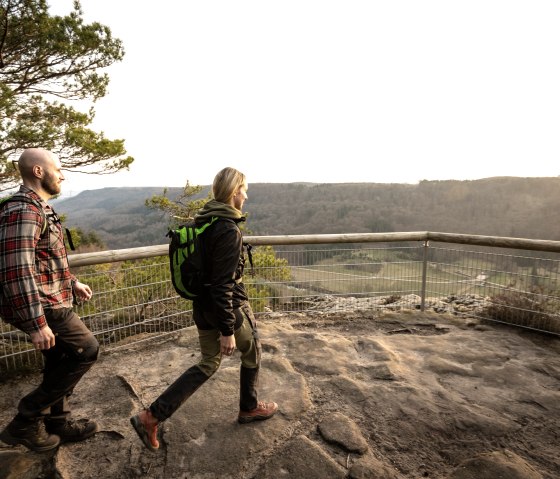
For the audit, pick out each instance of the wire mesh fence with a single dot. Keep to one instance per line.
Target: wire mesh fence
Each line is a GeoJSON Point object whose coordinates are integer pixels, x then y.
{"type": "Point", "coordinates": [134, 299]}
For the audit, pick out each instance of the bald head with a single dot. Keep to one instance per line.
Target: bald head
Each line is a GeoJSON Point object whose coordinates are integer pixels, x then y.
{"type": "Point", "coordinates": [32, 157]}
{"type": "Point", "coordinates": [40, 170]}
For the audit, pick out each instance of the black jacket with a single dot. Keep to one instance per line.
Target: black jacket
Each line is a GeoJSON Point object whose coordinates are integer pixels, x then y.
{"type": "Point", "coordinates": [224, 263]}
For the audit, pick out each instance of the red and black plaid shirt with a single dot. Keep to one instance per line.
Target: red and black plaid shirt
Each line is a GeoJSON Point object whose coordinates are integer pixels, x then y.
{"type": "Point", "coordinates": [34, 273]}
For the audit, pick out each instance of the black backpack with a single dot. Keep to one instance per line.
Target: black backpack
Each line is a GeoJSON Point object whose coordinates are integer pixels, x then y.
{"type": "Point", "coordinates": [53, 216]}
{"type": "Point", "coordinates": [22, 198]}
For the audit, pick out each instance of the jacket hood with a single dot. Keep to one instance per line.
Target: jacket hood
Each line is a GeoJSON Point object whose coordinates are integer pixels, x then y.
{"type": "Point", "coordinates": [222, 210]}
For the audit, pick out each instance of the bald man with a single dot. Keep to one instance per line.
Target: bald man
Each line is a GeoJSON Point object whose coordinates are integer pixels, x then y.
{"type": "Point", "coordinates": [36, 296]}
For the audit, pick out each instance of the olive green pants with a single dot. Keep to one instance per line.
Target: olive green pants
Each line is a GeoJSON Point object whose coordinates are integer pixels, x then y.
{"type": "Point", "coordinates": [246, 341]}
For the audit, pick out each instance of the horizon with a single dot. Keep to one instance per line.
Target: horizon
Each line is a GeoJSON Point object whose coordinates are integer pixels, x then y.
{"type": "Point", "coordinates": [70, 193]}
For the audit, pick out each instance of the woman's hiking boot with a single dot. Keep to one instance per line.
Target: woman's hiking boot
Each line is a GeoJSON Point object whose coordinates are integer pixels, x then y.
{"type": "Point", "coordinates": [250, 409]}
{"type": "Point", "coordinates": [31, 433]}
{"type": "Point", "coordinates": [263, 411]}
{"type": "Point", "coordinates": [145, 425]}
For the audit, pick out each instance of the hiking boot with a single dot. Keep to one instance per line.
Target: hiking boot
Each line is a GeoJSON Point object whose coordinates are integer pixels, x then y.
{"type": "Point", "coordinates": [146, 426]}
{"type": "Point", "coordinates": [264, 410]}
{"type": "Point", "coordinates": [70, 430]}
{"type": "Point", "coordinates": [30, 433]}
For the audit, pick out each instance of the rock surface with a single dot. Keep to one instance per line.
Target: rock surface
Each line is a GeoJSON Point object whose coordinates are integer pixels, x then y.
{"type": "Point", "coordinates": [362, 395]}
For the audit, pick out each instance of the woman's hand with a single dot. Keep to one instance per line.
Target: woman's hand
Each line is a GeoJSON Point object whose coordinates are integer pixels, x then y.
{"type": "Point", "coordinates": [227, 345]}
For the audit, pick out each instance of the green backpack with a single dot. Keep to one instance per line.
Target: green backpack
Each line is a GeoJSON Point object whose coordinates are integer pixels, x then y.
{"type": "Point", "coordinates": [186, 260]}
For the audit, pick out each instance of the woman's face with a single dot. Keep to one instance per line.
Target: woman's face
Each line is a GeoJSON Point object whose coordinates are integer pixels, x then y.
{"type": "Point", "coordinates": [240, 196]}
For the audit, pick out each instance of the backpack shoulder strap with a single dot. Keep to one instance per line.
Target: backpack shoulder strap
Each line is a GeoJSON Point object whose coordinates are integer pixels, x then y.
{"type": "Point", "coordinates": [201, 227]}
{"type": "Point", "coordinates": [249, 248]}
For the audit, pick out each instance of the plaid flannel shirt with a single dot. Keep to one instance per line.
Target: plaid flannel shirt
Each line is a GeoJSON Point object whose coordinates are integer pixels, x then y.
{"type": "Point", "coordinates": [34, 273]}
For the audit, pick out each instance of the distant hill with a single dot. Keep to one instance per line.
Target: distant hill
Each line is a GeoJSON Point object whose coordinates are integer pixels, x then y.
{"type": "Point", "coordinates": [501, 206]}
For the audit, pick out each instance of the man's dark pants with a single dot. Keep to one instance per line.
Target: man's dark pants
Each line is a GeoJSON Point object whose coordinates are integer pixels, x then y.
{"type": "Point", "coordinates": [74, 353]}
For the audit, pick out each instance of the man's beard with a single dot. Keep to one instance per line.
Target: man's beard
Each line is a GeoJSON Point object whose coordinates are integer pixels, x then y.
{"type": "Point", "coordinates": [50, 184]}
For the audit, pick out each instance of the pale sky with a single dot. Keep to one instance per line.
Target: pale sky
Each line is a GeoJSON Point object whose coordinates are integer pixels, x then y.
{"type": "Point", "coordinates": [329, 91]}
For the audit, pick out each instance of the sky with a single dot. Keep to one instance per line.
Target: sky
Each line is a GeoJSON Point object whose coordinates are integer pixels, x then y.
{"type": "Point", "coordinates": [327, 91]}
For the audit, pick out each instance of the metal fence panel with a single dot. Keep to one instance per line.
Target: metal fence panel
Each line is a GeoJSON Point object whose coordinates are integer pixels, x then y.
{"type": "Point", "coordinates": [134, 300]}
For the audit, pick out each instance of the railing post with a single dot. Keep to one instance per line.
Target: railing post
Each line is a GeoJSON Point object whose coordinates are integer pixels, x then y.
{"type": "Point", "coordinates": [424, 273]}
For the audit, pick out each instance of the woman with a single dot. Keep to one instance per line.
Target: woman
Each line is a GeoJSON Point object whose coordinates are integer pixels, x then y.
{"type": "Point", "coordinates": [222, 315]}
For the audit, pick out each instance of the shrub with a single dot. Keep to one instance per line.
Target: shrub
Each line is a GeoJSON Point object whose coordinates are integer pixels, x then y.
{"type": "Point", "coordinates": [533, 309]}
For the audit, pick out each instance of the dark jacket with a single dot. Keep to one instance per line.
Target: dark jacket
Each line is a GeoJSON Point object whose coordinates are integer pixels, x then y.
{"type": "Point", "coordinates": [224, 263]}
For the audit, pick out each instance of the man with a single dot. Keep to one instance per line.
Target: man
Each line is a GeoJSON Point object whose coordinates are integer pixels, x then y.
{"type": "Point", "coordinates": [36, 295]}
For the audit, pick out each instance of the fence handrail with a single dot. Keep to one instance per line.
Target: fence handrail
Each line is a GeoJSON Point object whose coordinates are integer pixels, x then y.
{"type": "Point", "coordinates": [112, 256]}
{"type": "Point", "coordinates": [497, 241]}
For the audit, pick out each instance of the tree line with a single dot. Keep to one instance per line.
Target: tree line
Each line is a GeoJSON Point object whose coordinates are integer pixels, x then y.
{"type": "Point", "coordinates": [501, 206]}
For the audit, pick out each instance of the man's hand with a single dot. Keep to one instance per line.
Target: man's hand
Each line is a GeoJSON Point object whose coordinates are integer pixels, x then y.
{"type": "Point", "coordinates": [42, 339]}
{"type": "Point", "coordinates": [82, 291]}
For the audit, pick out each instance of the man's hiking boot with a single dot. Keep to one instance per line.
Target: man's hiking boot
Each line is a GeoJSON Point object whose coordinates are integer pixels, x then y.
{"type": "Point", "coordinates": [263, 411]}
{"type": "Point", "coordinates": [30, 433]}
{"type": "Point", "coordinates": [70, 430]}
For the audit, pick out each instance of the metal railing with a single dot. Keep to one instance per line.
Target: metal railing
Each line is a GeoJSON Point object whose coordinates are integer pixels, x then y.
{"type": "Point", "coordinates": [510, 280]}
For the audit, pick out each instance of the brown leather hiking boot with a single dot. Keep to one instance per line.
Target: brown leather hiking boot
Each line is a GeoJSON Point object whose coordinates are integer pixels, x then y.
{"type": "Point", "coordinates": [70, 430]}
{"type": "Point", "coordinates": [146, 426]}
{"type": "Point", "coordinates": [30, 433]}
{"type": "Point", "coordinates": [264, 410]}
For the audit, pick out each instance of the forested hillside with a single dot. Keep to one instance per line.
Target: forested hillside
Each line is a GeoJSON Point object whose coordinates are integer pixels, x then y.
{"type": "Point", "coordinates": [504, 206]}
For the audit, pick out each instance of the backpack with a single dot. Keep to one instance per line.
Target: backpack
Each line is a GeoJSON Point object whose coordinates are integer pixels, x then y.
{"type": "Point", "coordinates": [186, 258]}
{"type": "Point", "coordinates": [25, 199]}
{"type": "Point", "coordinates": [54, 217]}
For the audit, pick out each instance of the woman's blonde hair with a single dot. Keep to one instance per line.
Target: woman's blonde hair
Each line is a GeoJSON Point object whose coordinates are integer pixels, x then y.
{"type": "Point", "coordinates": [226, 183]}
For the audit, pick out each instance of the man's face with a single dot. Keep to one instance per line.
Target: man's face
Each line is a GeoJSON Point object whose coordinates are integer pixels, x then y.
{"type": "Point", "coordinates": [52, 177]}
